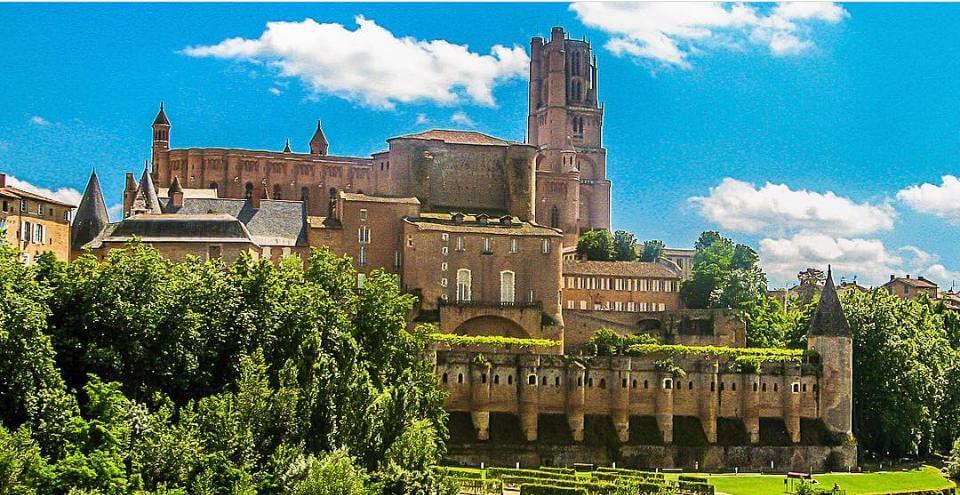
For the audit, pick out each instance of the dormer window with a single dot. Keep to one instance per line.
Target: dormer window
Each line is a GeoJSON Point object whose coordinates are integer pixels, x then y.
{"type": "Point", "coordinates": [483, 219]}
{"type": "Point", "coordinates": [506, 220]}
{"type": "Point", "coordinates": [457, 217]}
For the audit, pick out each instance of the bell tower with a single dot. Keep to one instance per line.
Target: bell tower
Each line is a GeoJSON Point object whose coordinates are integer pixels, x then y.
{"type": "Point", "coordinates": [565, 122]}
{"type": "Point", "coordinates": [161, 146]}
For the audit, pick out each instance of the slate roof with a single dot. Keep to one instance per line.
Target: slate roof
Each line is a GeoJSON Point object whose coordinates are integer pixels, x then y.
{"type": "Point", "coordinates": [275, 223]}
{"type": "Point", "coordinates": [161, 117]}
{"type": "Point", "coordinates": [91, 217]}
{"type": "Point", "coordinates": [828, 319]}
{"type": "Point", "coordinates": [472, 227]}
{"type": "Point", "coordinates": [457, 137]}
{"type": "Point", "coordinates": [145, 197]}
{"type": "Point", "coordinates": [619, 269]}
{"type": "Point", "coordinates": [211, 227]}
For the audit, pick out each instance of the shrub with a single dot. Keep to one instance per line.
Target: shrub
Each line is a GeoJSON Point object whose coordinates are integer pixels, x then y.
{"type": "Point", "coordinates": [537, 489]}
{"type": "Point", "coordinates": [490, 341]}
{"type": "Point", "coordinates": [695, 487]}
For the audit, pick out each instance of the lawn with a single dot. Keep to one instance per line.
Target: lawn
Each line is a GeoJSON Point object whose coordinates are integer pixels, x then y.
{"type": "Point", "coordinates": [926, 478]}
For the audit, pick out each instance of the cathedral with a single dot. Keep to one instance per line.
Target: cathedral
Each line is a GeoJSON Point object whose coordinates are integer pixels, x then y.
{"type": "Point", "coordinates": [483, 230]}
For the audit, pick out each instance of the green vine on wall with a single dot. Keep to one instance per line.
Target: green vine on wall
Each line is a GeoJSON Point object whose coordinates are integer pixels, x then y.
{"type": "Point", "coordinates": [490, 341]}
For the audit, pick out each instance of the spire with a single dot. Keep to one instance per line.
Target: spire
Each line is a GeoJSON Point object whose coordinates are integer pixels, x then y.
{"type": "Point", "coordinates": [286, 147]}
{"type": "Point", "coordinates": [91, 216]}
{"type": "Point", "coordinates": [175, 186]}
{"type": "Point", "coordinates": [828, 320]}
{"type": "Point", "coordinates": [145, 199]}
{"type": "Point", "coordinates": [161, 117]}
{"type": "Point", "coordinates": [318, 143]}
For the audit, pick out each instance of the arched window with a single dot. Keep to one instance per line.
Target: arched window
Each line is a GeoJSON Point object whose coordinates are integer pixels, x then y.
{"type": "Point", "coordinates": [754, 386]}
{"type": "Point", "coordinates": [464, 285]}
{"type": "Point", "coordinates": [556, 381]}
{"type": "Point", "coordinates": [444, 378]}
{"type": "Point", "coordinates": [459, 377]}
{"type": "Point", "coordinates": [603, 383]}
{"type": "Point", "coordinates": [509, 379]}
{"type": "Point", "coordinates": [634, 384]}
{"type": "Point", "coordinates": [775, 387]}
{"type": "Point", "coordinates": [248, 190]}
{"type": "Point", "coordinates": [764, 387]}
{"type": "Point", "coordinates": [555, 217]}
{"type": "Point", "coordinates": [733, 387]}
{"type": "Point", "coordinates": [332, 204]}
{"type": "Point", "coordinates": [623, 383]}
{"type": "Point", "coordinates": [507, 287]}
{"type": "Point", "coordinates": [690, 386]}
{"type": "Point", "coordinates": [214, 185]}
{"type": "Point", "coordinates": [277, 191]}
{"type": "Point", "coordinates": [579, 381]}
{"type": "Point", "coordinates": [646, 384]}
{"type": "Point", "coordinates": [496, 379]}
{"type": "Point", "coordinates": [543, 380]}
{"type": "Point", "coordinates": [305, 194]}
{"type": "Point", "coordinates": [667, 383]}
{"type": "Point", "coordinates": [483, 378]}
{"type": "Point", "coordinates": [532, 380]}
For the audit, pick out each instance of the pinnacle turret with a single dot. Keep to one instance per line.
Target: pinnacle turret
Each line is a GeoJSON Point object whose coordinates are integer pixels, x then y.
{"type": "Point", "coordinates": [91, 217]}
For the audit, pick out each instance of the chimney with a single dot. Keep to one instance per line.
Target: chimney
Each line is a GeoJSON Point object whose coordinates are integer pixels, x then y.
{"type": "Point", "coordinates": [892, 277]}
{"type": "Point", "coordinates": [3, 180]}
{"type": "Point", "coordinates": [908, 276]}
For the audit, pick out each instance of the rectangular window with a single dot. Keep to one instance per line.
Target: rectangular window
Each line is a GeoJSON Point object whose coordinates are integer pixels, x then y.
{"type": "Point", "coordinates": [266, 253]}
{"type": "Point", "coordinates": [23, 206]}
{"type": "Point", "coordinates": [530, 296]}
{"type": "Point", "coordinates": [364, 234]}
{"type": "Point", "coordinates": [409, 241]}
{"type": "Point", "coordinates": [444, 250]}
{"type": "Point", "coordinates": [362, 259]}
{"type": "Point", "coordinates": [507, 287]}
{"type": "Point", "coordinates": [486, 245]}
{"type": "Point", "coordinates": [460, 243]}
{"type": "Point", "coordinates": [579, 282]}
{"type": "Point", "coordinates": [6, 205]}
{"type": "Point", "coordinates": [443, 267]}
{"type": "Point", "coordinates": [444, 237]}
{"type": "Point", "coordinates": [583, 305]}
{"type": "Point", "coordinates": [66, 215]}
{"type": "Point", "coordinates": [39, 209]}
{"type": "Point", "coordinates": [397, 260]}
{"type": "Point", "coordinates": [285, 252]}
{"type": "Point", "coordinates": [363, 214]}
{"type": "Point", "coordinates": [514, 245]}
{"type": "Point", "coordinates": [570, 304]}
{"type": "Point", "coordinates": [443, 282]}
{"type": "Point", "coordinates": [546, 246]}
{"type": "Point", "coordinates": [618, 306]}
{"type": "Point", "coordinates": [38, 234]}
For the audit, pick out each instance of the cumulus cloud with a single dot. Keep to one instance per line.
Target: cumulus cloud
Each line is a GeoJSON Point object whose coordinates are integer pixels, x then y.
{"type": "Point", "coordinates": [743, 207]}
{"type": "Point", "coordinates": [372, 66]}
{"type": "Point", "coordinates": [867, 259]}
{"type": "Point", "coordinates": [39, 121]}
{"type": "Point", "coordinates": [64, 194]}
{"type": "Point", "coordinates": [939, 200]}
{"type": "Point", "coordinates": [670, 32]}
{"type": "Point", "coordinates": [422, 119]}
{"type": "Point", "coordinates": [115, 212]}
{"type": "Point", "coordinates": [275, 91]}
{"type": "Point", "coordinates": [462, 118]}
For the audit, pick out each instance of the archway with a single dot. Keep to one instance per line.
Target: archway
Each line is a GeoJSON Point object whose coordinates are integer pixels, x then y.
{"type": "Point", "coordinates": [493, 326]}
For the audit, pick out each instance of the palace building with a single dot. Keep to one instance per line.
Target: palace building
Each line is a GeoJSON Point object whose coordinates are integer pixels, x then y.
{"type": "Point", "coordinates": [481, 230]}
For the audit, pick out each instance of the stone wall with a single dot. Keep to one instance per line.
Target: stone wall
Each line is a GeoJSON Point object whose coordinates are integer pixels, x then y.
{"type": "Point", "coordinates": [719, 328]}
{"type": "Point", "coordinates": [710, 458]}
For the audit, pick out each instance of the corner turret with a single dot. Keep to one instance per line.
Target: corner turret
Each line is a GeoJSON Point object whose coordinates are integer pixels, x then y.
{"type": "Point", "coordinates": [145, 198]}
{"type": "Point", "coordinates": [830, 336]}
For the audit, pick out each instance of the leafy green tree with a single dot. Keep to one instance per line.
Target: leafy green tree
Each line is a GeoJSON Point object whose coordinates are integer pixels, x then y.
{"type": "Point", "coordinates": [624, 246]}
{"type": "Point", "coordinates": [596, 245]}
{"type": "Point", "coordinates": [769, 324]}
{"type": "Point", "coordinates": [725, 275]}
{"type": "Point", "coordinates": [333, 474]}
{"type": "Point", "coordinates": [23, 469]}
{"type": "Point", "coordinates": [651, 250]}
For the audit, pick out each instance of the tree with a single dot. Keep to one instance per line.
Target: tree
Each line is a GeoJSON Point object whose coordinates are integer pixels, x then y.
{"type": "Point", "coordinates": [651, 250]}
{"type": "Point", "coordinates": [725, 275]}
{"type": "Point", "coordinates": [596, 245]}
{"type": "Point", "coordinates": [333, 474]}
{"type": "Point", "coordinates": [624, 246]}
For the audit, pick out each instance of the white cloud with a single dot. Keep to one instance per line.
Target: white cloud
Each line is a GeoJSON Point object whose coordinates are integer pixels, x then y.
{"type": "Point", "coordinates": [671, 32]}
{"type": "Point", "coordinates": [940, 201]}
{"type": "Point", "coordinates": [275, 91]}
{"type": "Point", "coordinates": [462, 118]}
{"type": "Point", "coordinates": [422, 119]}
{"type": "Point", "coordinates": [743, 207]}
{"type": "Point", "coordinates": [64, 194]}
{"type": "Point", "coordinates": [373, 66]}
{"type": "Point", "coordinates": [39, 121]}
{"type": "Point", "coordinates": [867, 259]}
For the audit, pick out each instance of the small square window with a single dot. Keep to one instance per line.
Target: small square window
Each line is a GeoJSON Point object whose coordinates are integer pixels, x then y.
{"type": "Point", "coordinates": [443, 267]}
{"type": "Point", "coordinates": [444, 250]}
{"type": "Point", "coordinates": [444, 237]}
{"type": "Point", "coordinates": [363, 214]}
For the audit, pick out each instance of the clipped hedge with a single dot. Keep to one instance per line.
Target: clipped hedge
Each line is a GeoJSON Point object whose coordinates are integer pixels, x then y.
{"type": "Point", "coordinates": [632, 472]}
{"type": "Point", "coordinates": [942, 491]}
{"type": "Point", "coordinates": [477, 486]}
{"type": "Point", "coordinates": [692, 478]}
{"type": "Point", "coordinates": [559, 470]}
{"type": "Point", "coordinates": [698, 488]}
{"type": "Point", "coordinates": [539, 489]}
{"type": "Point", "coordinates": [590, 487]}
{"type": "Point", "coordinates": [497, 472]}
{"type": "Point", "coordinates": [490, 341]}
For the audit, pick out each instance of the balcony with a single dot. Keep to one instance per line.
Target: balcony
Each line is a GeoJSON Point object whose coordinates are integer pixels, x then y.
{"type": "Point", "coordinates": [492, 304]}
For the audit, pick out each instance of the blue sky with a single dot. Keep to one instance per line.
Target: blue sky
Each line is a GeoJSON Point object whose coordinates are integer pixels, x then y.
{"type": "Point", "coordinates": [816, 134]}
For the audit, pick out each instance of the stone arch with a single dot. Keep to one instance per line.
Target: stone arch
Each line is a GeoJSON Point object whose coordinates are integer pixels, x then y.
{"type": "Point", "coordinates": [491, 325]}
{"type": "Point", "coordinates": [587, 167]}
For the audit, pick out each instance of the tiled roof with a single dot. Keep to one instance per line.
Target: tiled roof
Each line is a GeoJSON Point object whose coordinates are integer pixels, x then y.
{"type": "Point", "coordinates": [275, 223]}
{"type": "Point", "coordinates": [20, 193]}
{"type": "Point", "coordinates": [619, 268]}
{"type": "Point", "coordinates": [913, 282]}
{"type": "Point", "coordinates": [378, 199]}
{"type": "Point", "coordinates": [457, 137]}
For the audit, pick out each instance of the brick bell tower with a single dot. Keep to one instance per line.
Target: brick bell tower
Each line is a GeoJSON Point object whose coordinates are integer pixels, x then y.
{"type": "Point", "coordinates": [565, 122]}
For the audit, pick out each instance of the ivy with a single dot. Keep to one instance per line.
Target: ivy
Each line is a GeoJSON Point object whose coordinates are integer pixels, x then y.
{"type": "Point", "coordinates": [490, 341]}
{"type": "Point", "coordinates": [747, 359]}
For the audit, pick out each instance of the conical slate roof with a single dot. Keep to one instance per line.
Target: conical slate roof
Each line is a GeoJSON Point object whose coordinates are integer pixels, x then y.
{"type": "Point", "coordinates": [145, 199]}
{"type": "Point", "coordinates": [286, 146]}
{"type": "Point", "coordinates": [91, 216]}
{"type": "Point", "coordinates": [161, 117]}
{"type": "Point", "coordinates": [829, 319]}
{"type": "Point", "coordinates": [319, 140]}
{"type": "Point", "coordinates": [175, 186]}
